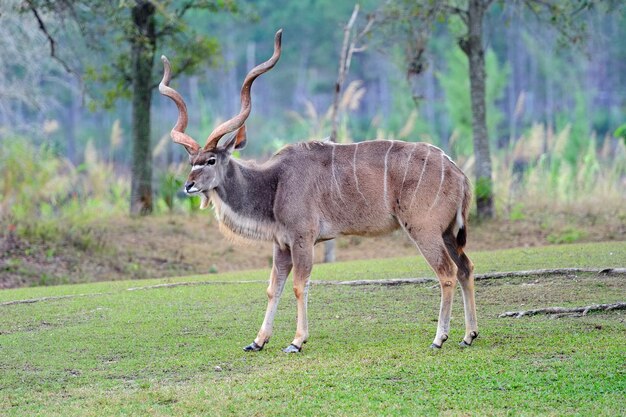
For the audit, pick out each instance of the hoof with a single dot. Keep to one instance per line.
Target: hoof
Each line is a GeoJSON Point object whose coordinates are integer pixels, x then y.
{"type": "Point", "coordinates": [253, 347]}
{"type": "Point", "coordinates": [473, 335]}
{"type": "Point", "coordinates": [292, 349]}
{"type": "Point", "coordinates": [443, 339]}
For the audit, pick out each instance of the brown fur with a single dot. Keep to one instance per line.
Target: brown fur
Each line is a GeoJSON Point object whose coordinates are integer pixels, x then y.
{"type": "Point", "coordinates": [317, 191]}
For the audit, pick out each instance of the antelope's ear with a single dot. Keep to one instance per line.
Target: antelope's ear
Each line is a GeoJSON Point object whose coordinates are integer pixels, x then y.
{"type": "Point", "coordinates": [235, 140]}
{"type": "Point", "coordinates": [242, 138]}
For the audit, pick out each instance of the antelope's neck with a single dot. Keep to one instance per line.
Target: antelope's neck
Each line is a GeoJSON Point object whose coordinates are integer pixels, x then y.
{"type": "Point", "coordinates": [244, 202]}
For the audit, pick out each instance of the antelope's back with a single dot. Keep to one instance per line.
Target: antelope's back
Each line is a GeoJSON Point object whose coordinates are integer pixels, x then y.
{"type": "Point", "coordinates": [365, 188]}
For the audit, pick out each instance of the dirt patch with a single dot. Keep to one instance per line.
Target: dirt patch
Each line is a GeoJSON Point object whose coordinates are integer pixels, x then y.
{"type": "Point", "coordinates": [160, 246]}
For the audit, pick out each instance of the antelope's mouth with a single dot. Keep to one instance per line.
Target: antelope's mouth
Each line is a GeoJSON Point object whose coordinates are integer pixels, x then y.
{"type": "Point", "coordinates": [192, 190]}
{"type": "Point", "coordinates": [204, 199]}
{"type": "Point", "coordinates": [204, 196]}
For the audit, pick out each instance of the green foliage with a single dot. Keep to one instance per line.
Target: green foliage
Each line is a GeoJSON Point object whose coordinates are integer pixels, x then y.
{"type": "Point", "coordinates": [169, 192]}
{"type": "Point", "coordinates": [568, 235]}
{"type": "Point", "coordinates": [567, 173]}
{"type": "Point", "coordinates": [169, 186]}
{"type": "Point", "coordinates": [45, 198]}
{"type": "Point", "coordinates": [579, 132]}
{"type": "Point", "coordinates": [517, 212]}
{"type": "Point", "coordinates": [589, 165]}
{"type": "Point", "coordinates": [26, 174]}
{"type": "Point", "coordinates": [456, 85]}
{"type": "Point", "coordinates": [620, 132]}
{"type": "Point", "coordinates": [404, 121]}
{"type": "Point", "coordinates": [109, 74]}
{"type": "Point", "coordinates": [483, 188]}
{"type": "Point", "coordinates": [550, 178]}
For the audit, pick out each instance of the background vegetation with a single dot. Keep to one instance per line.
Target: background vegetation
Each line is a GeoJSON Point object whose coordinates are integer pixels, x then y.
{"type": "Point", "coordinates": [555, 114]}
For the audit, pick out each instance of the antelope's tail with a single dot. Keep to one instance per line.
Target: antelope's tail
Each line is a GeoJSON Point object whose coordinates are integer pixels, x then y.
{"type": "Point", "coordinates": [462, 214]}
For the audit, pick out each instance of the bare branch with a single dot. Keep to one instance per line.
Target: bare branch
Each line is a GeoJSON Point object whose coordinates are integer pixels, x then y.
{"type": "Point", "coordinates": [368, 26]}
{"type": "Point", "coordinates": [350, 23]}
{"type": "Point", "coordinates": [551, 8]}
{"type": "Point", "coordinates": [554, 271]}
{"type": "Point", "coordinates": [462, 13]}
{"type": "Point", "coordinates": [481, 277]}
{"type": "Point", "coordinates": [348, 49]}
{"type": "Point", "coordinates": [344, 61]}
{"type": "Point", "coordinates": [541, 2]}
{"type": "Point", "coordinates": [184, 9]}
{"type": "Point", "coordinates": [582, 311]}
{"type": "Point", "coordinates": [51, 40]}
{"type": "Point", "coordinates": [166, 31]}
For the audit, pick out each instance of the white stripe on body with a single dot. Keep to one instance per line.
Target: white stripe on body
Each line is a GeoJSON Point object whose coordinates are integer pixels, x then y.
{"type": "Point", "coordinates": [332, 167]}
{"type": "Point", "coordinates": [385, 178]}
{"type": "Point", "coordinates": [406, 169]}
{"type": "Point", "coordinates": [443, 170]}
{"type": "Point", "coordinates": [356, 179]}
{"type": "Point", "coordinates": [444, 154]}
{"type": "Point", "coordinates": [420, 178]}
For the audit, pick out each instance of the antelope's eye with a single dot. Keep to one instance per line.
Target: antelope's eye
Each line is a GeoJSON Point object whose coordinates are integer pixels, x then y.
{"type": "Point", "coordinates": [211, 161]}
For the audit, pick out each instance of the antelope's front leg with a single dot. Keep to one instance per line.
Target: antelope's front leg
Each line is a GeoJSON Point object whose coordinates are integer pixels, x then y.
{"type": "Point", "coordinates": [302, 256]}
{"type": "Point", "coordinates": [280, 271]}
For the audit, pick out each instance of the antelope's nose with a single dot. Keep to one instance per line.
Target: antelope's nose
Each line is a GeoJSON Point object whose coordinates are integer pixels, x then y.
{"type": "Point", "coordinates": [189, 185]}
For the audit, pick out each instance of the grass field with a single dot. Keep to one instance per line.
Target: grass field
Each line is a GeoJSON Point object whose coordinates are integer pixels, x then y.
{"type": "Point", "coordinates": [177, 350]}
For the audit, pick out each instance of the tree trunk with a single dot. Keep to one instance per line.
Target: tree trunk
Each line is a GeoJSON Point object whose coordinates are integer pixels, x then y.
{"type": "Point", "coordinates": [472, 45]}
{"type": "Point", "coordinates": [330, 251]}
{"type": "Point", "coordinates": [143, 41]}
{"type": "Point", "coordinates": [344, 66]}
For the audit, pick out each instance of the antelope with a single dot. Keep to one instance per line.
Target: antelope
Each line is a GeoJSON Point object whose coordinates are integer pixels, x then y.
{"type": "Point", "coordinates": [315, 191]}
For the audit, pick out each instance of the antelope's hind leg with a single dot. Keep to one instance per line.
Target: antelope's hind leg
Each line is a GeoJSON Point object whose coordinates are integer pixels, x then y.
{"type": "Point", "coordinates": [281, 267]}
{"type": "Point", "coordinates": [432, 247]}
{"type": "Point", "coordinates": [465, 275]}
{"type": "Point", "coordinates": [466, 279]}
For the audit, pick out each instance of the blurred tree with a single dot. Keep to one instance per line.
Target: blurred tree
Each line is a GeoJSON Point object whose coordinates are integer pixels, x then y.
{"type": "Point", "coordinates": [411, 23]}
{"type": "Point", "coordinates": [454, 83]}
{"type": "Point", "coordinates": [417, 18]}
{"type": "Point", "coordinates": [23, 76]}
{"type": "Point", "coordinates": [471, 42]}
{"type": "Point", "coordinates": [350, 45]}
{"type": "Point", "coordinates": [126, 36]}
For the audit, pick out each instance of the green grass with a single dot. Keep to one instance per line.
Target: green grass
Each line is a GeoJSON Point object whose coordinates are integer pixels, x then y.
{"type": "Point", "coordinates": [155, 352]}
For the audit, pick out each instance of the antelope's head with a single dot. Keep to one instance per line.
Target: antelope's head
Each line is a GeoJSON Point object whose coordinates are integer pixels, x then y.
{"type": "Point", "coordinates": [208, 163]}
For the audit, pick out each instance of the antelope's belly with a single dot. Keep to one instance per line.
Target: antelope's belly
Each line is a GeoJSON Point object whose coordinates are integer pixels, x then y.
{"type": "Point", "coordinates": [364, 225]}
